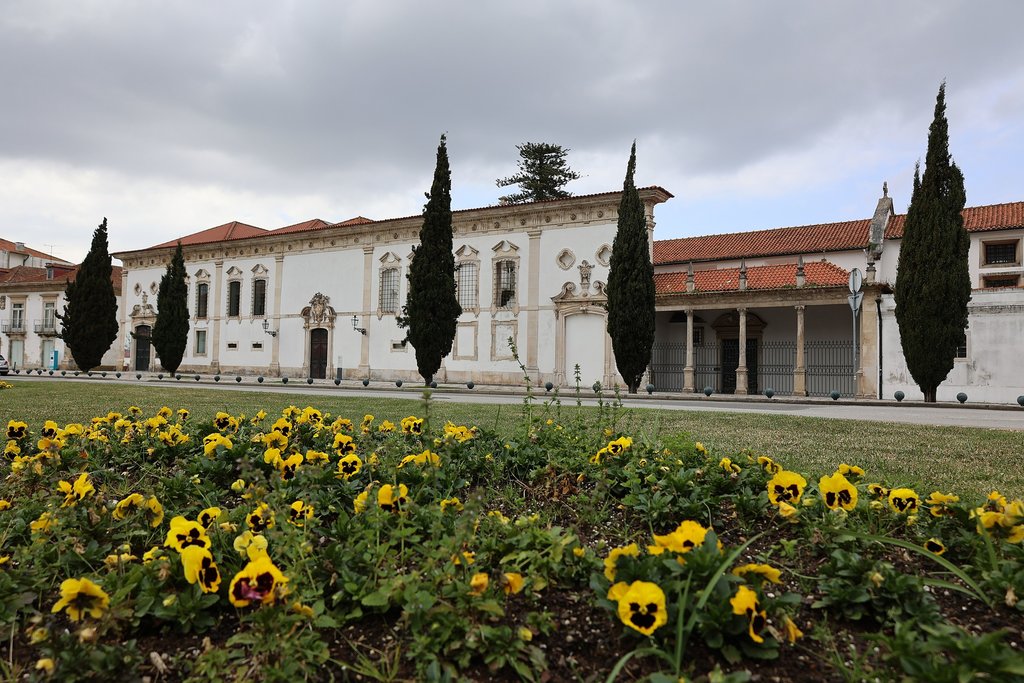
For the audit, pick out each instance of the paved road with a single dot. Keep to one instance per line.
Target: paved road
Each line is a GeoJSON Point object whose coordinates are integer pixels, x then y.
{"type": "Point", "coordinates": [1002, 417]}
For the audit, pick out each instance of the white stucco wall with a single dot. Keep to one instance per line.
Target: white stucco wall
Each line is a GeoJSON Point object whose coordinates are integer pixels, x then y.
{"type": "Point", "coordinates": [992, 371]}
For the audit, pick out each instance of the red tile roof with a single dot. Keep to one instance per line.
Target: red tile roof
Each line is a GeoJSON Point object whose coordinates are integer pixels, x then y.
{"type": "Point", "coordinates": [236, 230]}
{"type": "Point", "coordinates": [816, 239]}
{"type": "Point", "coordinates": [816, 274]}
{"type": "Point", "coordinates": [24, 275]}
{"type": "Point", "coordinates": [229, 231]}
{"type": "Point", "coordinates": [7, 245]}
{"type": "Point", "coordinates": [317, 224]}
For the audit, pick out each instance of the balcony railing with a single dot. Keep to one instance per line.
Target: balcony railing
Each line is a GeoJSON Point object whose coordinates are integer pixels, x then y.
{"type": "Point", "coordinates": [45, 327]}
{"type": "Point", "coordinates": [13, 327]}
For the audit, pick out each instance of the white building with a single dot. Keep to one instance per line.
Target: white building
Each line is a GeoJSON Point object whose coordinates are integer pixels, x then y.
{"type": "Point", "coordinates": [319, 300]}
{"type": "Point", "coordinates": [738, 313]}
{"type": "Point", "coordinates": [31, 294]}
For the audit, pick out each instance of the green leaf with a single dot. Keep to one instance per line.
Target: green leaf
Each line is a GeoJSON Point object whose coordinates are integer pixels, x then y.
{"type": "Point", "coordinates": [376, 599]}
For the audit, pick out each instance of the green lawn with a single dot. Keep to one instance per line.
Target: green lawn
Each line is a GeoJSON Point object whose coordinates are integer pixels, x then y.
{"type": "Point", "coordinates": [966, 461]}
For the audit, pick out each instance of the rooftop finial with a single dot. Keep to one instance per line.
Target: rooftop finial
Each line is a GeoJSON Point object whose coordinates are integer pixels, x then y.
{"type": "Point", "coordinates": [885, 188]}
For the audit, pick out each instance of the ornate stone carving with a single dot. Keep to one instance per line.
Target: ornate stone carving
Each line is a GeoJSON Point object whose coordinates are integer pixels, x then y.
{"type": "Point", "coordinates": [318, 309]}
{"type": "Point", "coordinates": [565, 259]}
{"type": "Point", "coordinates": [604, 255]}
{"type": "Point", "coordinates": [143, 310]}
{"type": "Point", "coordinates": [585, 269]}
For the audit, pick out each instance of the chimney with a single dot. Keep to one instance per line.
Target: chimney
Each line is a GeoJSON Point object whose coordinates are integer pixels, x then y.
{"type": "Point", "coordinates": [800, 278]}
{"type": "Point", "coordinates": [690, 284]}
{"type": "Point", "coordinates": [869, 273]}
{"type": "Point", "coordinates": [743, 274]}
{"type": "Point", "coordinates": [19, 246]}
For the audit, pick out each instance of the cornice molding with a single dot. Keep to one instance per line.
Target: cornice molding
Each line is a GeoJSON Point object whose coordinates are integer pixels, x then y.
{"type": "Point", "coordinates": [574, 212]}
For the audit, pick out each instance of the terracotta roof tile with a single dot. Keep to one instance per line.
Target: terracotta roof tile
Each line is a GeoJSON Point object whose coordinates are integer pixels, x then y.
{"type": "Point", "coordinates": [317, 224]}
{"type": "Point", "coordinates": [24, 275]}
{"type": "Point", "coordinates": [7, 245]}
{"type": "Point", "coordinates": [222, 233]}
{"type": "Point", "coordinates": [811, 239]}
{"type": "Point", "coordinates": [816, 273]}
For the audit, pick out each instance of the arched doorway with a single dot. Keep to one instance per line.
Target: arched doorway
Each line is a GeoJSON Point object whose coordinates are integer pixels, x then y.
{"type": "Point", "coordinates": [318, 353]}
{"type": "Point", "coordinates": [143, 335]}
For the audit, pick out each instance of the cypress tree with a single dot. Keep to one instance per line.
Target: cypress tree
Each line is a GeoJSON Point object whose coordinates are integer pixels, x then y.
{"type": "Point", "coordinates": [933, 282]}
{"type": "Point", "coordinates": [543, 172]}
{"type": "Point", "coordinates": [631, 286]}
{"type": "Point", "coordinates": [89, 321]}
{"type": "Point", "coordinates": [170, 333]}
{"type": "Point", "coordinates": [432, 307]}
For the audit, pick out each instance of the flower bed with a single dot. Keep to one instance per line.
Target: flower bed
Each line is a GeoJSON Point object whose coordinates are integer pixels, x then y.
{"type": "Point", "coordinates": [308, 545]}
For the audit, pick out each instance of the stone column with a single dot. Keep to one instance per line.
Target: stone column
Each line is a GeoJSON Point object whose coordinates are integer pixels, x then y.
{"type": "Point", "coordinates": [275, 342]}
{"type": "Point", "coordinates": [867, 370]}
{"type": "Point", "coordinates": [533, 305]}
{"type": "Point", "coordinates": [364, 348]}
{"type": "Point", "coordinates": [742, 386]}
{"type": "Point", "coordinates": [688, 371]}
{"type": "Point", "coordinates": [218, 279]}
{"type": "Point", "coordinates": [800, 371]}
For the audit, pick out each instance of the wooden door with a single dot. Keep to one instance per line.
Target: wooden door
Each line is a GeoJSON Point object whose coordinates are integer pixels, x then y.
{"type": "Point", "coordinates": [318, 353]}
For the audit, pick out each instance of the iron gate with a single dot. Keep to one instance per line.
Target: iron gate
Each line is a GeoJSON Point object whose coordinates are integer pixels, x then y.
{"type": "Point", "coordinates": [828, 367]}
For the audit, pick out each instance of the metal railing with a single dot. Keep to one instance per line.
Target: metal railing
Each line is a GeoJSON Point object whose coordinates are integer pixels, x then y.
{"type": "Point", "coordinates": [13, 326]}
{"type": "Point", "coordinates": [828, 366]}
{"type": "Point", "coordinates": [45, 327]}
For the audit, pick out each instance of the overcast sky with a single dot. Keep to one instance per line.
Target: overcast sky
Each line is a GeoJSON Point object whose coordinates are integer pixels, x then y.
{"type": "Point", "coordinates": [173, 117]}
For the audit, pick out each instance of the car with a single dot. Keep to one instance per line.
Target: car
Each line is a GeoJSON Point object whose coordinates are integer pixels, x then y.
{"type": "Point", "coordinates": [4, 367]}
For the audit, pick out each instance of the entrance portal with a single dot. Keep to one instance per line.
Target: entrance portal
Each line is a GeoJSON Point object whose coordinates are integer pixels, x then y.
{"type": "Point", "coordinates": [318, 353]}
{"type": "Point", "coordinates": [143, 334]}
{"type": "Point", "coordinates": [731, 361]}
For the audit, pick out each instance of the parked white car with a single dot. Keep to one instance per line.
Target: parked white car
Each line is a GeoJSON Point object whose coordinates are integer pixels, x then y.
{"type": "Point", "coordinates": [4, 367]}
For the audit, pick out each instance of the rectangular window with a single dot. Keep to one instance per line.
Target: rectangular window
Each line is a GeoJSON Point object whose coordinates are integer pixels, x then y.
{"type": "Point", "coordinates": [18, 318]}
{"type": "Point", "coordinates": [257, 345]}
{"type": "Point", "coordinates": [1001, 281]}
{"type": "Point", "coordinates": [1000, 253]}
{"type": "Point", "coordinates": [49, 317]}
{"type": "Point", "coordinates": [466, 285]}
{"type": "Point", "coordinates": [202, 298]}
{"type": "Point", "coordinates": [961, 348]}
{"type": "Point", "coordinates": [388, 300]}
{"type": "Point", "coordinates": [505, 284]}
{"type": "Point", "coordinates": [232, 345]}
{"type": "Point", "coordinates": [200, 342]}
{"type": "Point", "coordinates": [234, 298]}
{"type": "Point", "coordinates": [259, 298]}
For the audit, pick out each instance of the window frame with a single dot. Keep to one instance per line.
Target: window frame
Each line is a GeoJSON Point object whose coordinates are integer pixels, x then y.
{"type": "Point", "coordinates": [259, 298]}
{"type": "Point", "coordinates": [1014, 244]}
{"type": "Point", "coordinates": [234, 302]}
{"type": "Point", "coordinates": [202, 301]}
{"type": "Point", "coordinates": [989, 281]}
{"type": "Point", "coordinates": [196, 350]}
{"type": "Point", "coordinates": [391, 304]}
{"type": "Point", "coordinates": [509, 268]}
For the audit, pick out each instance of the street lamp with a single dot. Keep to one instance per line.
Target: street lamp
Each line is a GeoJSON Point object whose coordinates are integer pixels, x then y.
{"type": "Point", "coordinates": [355, 325]}
{"type": "Point", "coordinates": [266, 328]}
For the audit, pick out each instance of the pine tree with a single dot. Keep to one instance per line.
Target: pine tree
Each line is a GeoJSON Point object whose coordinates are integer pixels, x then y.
{"type": "Point", "coordinates": [933, 283]}
{"type": "Point", "coordinates": [170, 334]}
{"type": "Point", "coordinates": [631, 286]}
{"type": "Point", "coordinates": [432, 308]}
{"type": "Point", "coordinates": [89, 321]}
{"type": "Point", "coordinates": [543, 172]}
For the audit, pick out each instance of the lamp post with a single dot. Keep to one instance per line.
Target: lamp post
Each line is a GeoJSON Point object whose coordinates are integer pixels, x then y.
{"type": "Point", "coordinates": [266, 328]}
{"type": "Point", "coordinates": [355, 326]}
